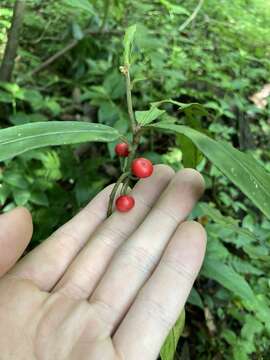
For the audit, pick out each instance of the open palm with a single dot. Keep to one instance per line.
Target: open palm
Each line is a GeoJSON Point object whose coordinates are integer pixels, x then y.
{"type": "Point", "coordinates": [101, 289]}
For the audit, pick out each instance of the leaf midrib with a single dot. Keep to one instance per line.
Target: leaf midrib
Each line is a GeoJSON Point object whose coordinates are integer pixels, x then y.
{"type": "Point", "coordinates": [23, 138]}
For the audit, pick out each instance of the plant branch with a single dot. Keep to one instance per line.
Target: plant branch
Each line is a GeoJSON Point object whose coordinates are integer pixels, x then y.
{"type": "Point", "coordinates": [192, 16]}
{"type": "Point", "coordinates": [56, 56]}
{"type": "Point", "coordinates": [8, 62]}
{"type": "Point", "coordinates": [67, 48]}
{"type": "Point", "coordinates": [125, 70]}
{"type": "Point", "coordinates": [136, 134]}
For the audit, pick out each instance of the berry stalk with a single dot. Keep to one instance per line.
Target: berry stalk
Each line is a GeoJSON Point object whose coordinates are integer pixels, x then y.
{"type": "Point", "coordinates": [114, 192]}
{"type": "Point", "coordinates": [140, 167]}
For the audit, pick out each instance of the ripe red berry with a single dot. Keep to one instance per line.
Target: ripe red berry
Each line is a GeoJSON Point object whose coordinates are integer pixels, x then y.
{"type": "Point", "coordinates": [125, 203]}
{"type": "Point", "coordinates": [121, 149]}
{"type": "Point", "coordinates": [142, 168]}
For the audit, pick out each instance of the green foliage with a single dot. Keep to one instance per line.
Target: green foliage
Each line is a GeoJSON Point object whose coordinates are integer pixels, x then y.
{"type": "Point", "coordinates": [19, 139]}
{"type": "Point", "coordinates": [83, 5]}
{"type": "Point", "coordinates": [128, 42]}
{"type": "Point", "coordinates": [244, 277]}
{"type": "Point", "coordinates": [168, 350]}
{"type": "Point", "coordinates": [146, 117]}
{"type": "Point", "coordinates": [243, 170]}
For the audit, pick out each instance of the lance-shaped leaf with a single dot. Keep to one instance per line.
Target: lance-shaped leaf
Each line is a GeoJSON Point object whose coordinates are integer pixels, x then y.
{"type": "Point", "coordinates": [16, 140]}
{"type": "Point", "coordinates": [176, 9]}
{"type": "Point", "coordinates": [147, 117]}
{"type": "Point", "coordinates": [229, 278]}
{"type": "Point", "coordinates": [242, 169]}
{"type": "Point", "coordinates": [83, 5]}
{"type": "Point", "coordinates": [188, 109]}
{"type": "Point", "coordinates": [128, 41]}
{"type": "Point", "coordinates": [168, 349]}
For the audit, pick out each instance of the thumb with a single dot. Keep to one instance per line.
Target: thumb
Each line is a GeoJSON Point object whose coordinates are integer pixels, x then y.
{"type": "Point", "coordinates": [16, 230]}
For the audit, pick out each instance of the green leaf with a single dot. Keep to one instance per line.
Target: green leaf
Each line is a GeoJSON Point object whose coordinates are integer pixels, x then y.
{"type": "Point", "coordinates": [147, 117]}
{"type": "Point", "coordinates": [77, 31]}
{"type": "Point", "coordinates": [114, 85]}
{"type": "Point", "coordinates": [229, 336]}
{"type": "Point", "coordinates": [191, 155]}
{"type": "Point", "coordinates": [21, 118]}
{"type": "Point", "coordinates": [83, 5]}
{"type": "Point", "coordinates": [242, 169]}
{"type": "Point", "coordinates": [4, 193]}
{"type": "Point", "coordinates": [225, 221]}
{"type": "Point", "coordinates": [5, 97]}
{"type": "Point", "coordinates": [215, 248]}
{"type": "Point", "coordinates": [128, 42]}
{"type": "Point", "coordinates": [39, 198]}
{"type": "Point", "coordinates": [21, 197]}
{"type": "Point", "coordinates": [195, 298]}
{"type": "Point", "coordinates": [15, 179]}
{"type": "Point", "coordinates": [227, 277]}
{"type": "Point", "coordinates": [189, 109]}
{"type": "Point", "coordinates": [244, 267]}
{"type": "Point", "coordinates": [176, 9]}
{"type": "Point", "coordinates": [168, 349]}
{"type": "Point", "coordinates": [12, 88]}
{"type": "Point", "coordinates": [251, 327]}
{"type": "Point", "coordinates": [19, 139]}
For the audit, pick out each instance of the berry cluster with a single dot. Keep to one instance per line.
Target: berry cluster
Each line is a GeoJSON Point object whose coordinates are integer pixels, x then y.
{"type": "Point", "coordinates": [140, 168]}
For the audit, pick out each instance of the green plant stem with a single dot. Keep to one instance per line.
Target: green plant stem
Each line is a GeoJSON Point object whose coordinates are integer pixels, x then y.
{"type": "Point", "coordinates": [114, 191]}
{"type": "Point", "coordinates": [135, 144]}
{"type": "Point", "coordinates": [125, 186]}
{"type": "Point", "coordinates": [135, 128]}
{"type": "Point", "coordinates": [129, 100]}
{"type": "Point", "coordinates": [192, 16]}
{"type": "Point", "coordinates": [136, 134]}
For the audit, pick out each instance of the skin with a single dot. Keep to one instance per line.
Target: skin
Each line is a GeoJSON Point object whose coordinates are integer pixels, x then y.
{"type": "Point", "coordinates": [100, 288]}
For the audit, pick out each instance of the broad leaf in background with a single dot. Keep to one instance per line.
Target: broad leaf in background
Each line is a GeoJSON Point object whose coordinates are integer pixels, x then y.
{"type": "Point", "coordinates": [227, 277]}
{"type": "Point", "coordinates": [191, 155]}
{"type": "Point", "coordinates": [83, 5]}
{"type": "Point", "coordinates": [128, 41]}
{"type": "Point", "coordinates": [168, 350]}
{"type": "Point", "coordinates": [242, 169]}
{"type": "Point", "coordinates": [189, 109]}
{"type": "Point", "coordinates": [147, 117]}
{"type": "Point", "coordinates": [19, 139]}
{"type": "Point", "coordinates": [195, 298]}
{"type": "Point", "coordinates": [225, 221]}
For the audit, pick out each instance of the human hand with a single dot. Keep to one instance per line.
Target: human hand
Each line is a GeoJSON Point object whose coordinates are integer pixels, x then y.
{"type": "Point", "coordinates": [102, 289]}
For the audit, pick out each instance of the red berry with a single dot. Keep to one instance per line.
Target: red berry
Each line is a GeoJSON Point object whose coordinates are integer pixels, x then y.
{"type": "Point", "coordinates": [124, 203]}
{"type": "Point", "coordinates": [121, 149]}
{"type": "Point", "coordinates": [142, 168]}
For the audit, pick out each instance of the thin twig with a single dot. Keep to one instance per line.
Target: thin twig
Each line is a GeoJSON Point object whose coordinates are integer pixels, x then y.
{"type": "Point", "coordinates": [192, 16]}
{"type": "Point", "coordinates": [125, 186]}
{"type": "Point", "coordinates": [67, 48]}
{"type": "Point", "coordinates": [136, 134]}
{"type": "Point", "coordinates": [114, 191]}
{"type": "Point", "coordinates": [56, 56]}
{"type": "Point", "coordinates": [129, 102]}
